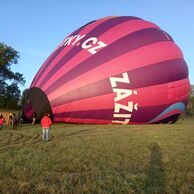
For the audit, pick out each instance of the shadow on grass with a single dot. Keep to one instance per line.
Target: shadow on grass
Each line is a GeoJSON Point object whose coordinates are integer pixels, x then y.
{"type": "Point", "coordinates": [156, 177]}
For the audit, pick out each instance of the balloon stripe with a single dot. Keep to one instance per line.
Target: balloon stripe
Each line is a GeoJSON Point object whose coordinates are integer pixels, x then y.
{"type": "Point", "coordinates": [107, 114]}
{"type": "Point", "coordinates": [176, 106]}
{"type": "Point", "coordinates": [82, 120]}
{"type": "Point", "coordinates": [40, 71]}
{"type": "Point", "coordinates": [109, 36]}
{"type": "Point", "coordinates": [156, 74]}
{"type": "Point", "coordinates": [170, 113]}
{"type": "Point", "coordinates": [146, 36]}
{"type": "Point", "coordinates": [49, 64]}
{"type": "Point", "coordinates": [97, 102]}
{"type": "Point", "coordinates": [96, 32]}
{"type": "Point", "coordinates": [164, 51]}
{"type": "Point", "coordinates": [147, 113]}
{"type": "Point", "coordinates": [160, 94]}
{"type": "Point", "coordinates": [46, 64]}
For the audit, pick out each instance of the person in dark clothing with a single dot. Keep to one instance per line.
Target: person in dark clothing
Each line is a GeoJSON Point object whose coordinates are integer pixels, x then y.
{"type": "Point", "coordinates": [33, 118]}
{"type": "Point", "coordinates": [15, 121]}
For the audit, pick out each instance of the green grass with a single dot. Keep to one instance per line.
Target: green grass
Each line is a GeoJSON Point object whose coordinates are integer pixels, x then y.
{"type": "Point", "coordinates": [98, 159]}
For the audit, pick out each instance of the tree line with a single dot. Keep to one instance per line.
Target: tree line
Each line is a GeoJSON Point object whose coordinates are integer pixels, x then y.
{"type": "Point", "coordinates": [10, 95]}
{"type": "Point", "coordinates": [190, 107]}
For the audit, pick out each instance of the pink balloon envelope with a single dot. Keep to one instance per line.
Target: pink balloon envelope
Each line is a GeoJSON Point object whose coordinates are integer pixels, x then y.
{"type": "Point", "coordinates": [113, 70]}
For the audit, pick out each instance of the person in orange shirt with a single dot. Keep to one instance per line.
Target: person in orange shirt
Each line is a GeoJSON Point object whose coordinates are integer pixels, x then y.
{"type": "Point", "coordinates": [46, 125]}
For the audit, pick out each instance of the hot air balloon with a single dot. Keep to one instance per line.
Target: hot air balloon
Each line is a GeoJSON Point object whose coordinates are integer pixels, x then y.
{"type": "Point", "coordinates": [113, 70]}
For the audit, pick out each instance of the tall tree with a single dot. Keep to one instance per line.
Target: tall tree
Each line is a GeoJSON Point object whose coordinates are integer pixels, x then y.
{"type": "Point", "coordinates": [190, 106]}
{"type": "Point", "coordinates": [23, 97]}
{"type": "Point", "coordinates": [9, 80]}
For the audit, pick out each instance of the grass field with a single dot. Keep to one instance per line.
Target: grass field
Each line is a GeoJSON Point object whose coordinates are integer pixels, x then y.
{"type": "Point", "coordinates": [100, 159]}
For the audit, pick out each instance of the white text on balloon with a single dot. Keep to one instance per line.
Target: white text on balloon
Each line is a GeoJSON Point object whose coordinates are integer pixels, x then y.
{"type": "Point", "coordinates": [91, 44]}
{"type": "Point", "coordinates": [122, 94]}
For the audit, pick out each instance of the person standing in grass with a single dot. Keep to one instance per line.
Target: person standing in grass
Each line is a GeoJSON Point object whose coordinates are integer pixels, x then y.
{"type": "Point", "coordinates": [10, 118]}
{"type": "Point", "coordinates": [15, 121]}
{"type": "Point", "coordinates": [33, 118]}
{"type": "Point", "coordinates": [46, 124]}
{"type": "Point", "coordinates": [1, 120]}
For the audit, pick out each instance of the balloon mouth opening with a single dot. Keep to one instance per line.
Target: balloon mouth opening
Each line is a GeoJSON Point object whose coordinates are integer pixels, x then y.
{"type": "Point", "coordinates": [37, 104]}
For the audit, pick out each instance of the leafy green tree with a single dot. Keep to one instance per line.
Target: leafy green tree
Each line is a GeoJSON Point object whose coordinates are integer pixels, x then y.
{"type": "Point", "coordinates": [190, 106]}
{"type": "Point", "coordinates": [9, 80]}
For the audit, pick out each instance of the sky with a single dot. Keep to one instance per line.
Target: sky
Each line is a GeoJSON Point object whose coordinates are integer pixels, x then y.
{"type": "Point", "coordinates": [36, 27]}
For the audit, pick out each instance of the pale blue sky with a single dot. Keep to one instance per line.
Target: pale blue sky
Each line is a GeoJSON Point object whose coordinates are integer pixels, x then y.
{"type": "Point", "coordinates": [34, 28]}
